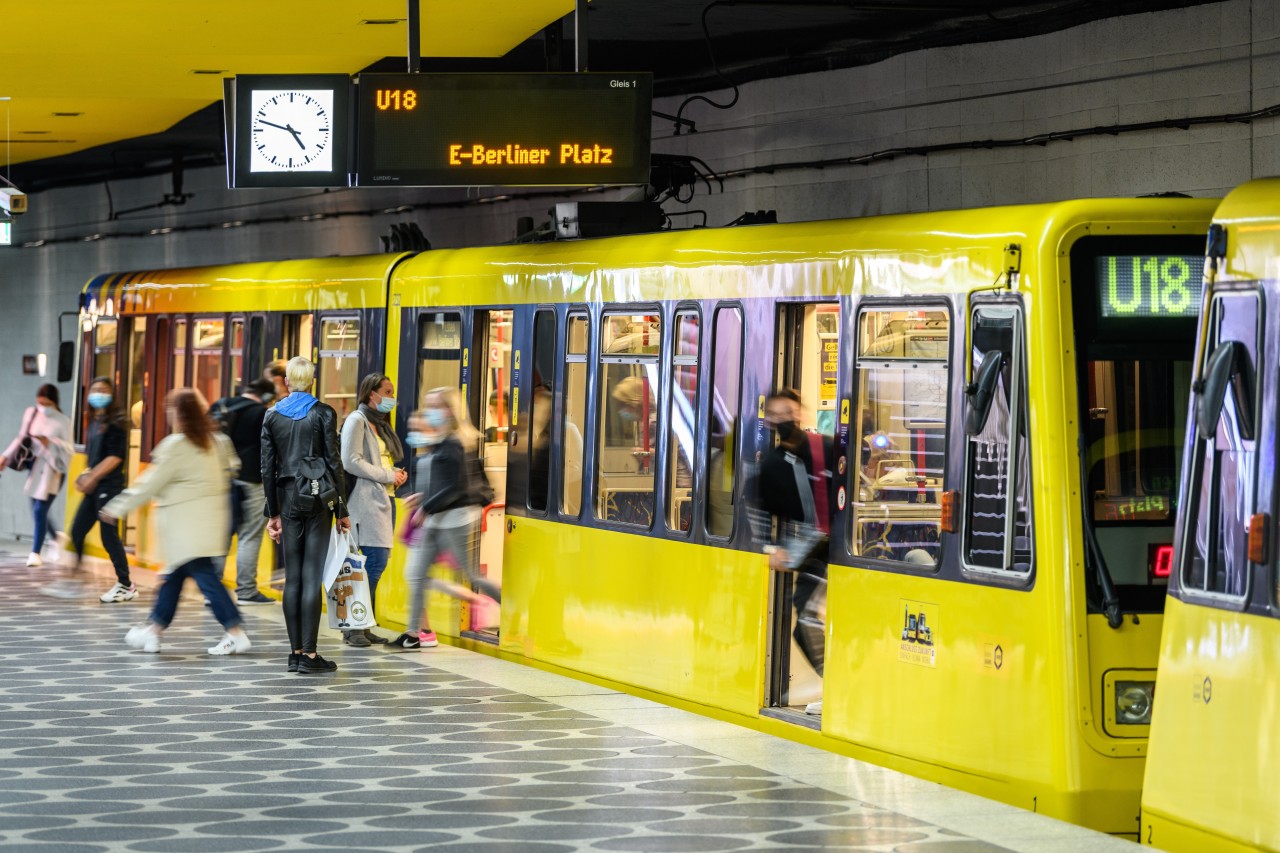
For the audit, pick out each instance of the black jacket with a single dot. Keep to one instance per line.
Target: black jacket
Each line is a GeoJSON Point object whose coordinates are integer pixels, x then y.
{"type": "Point", "coordinates": [242, 422]}
{"type": "Point", "coordinates": [775, 487]}
{"type": "Point", "coordinates": [443, 480]}
{"type": "Point", "coordinates": [286, 442]}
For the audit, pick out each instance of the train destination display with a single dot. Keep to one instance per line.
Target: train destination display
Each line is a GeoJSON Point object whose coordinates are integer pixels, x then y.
{"type": "Point", "coordinates": [503, 129]}
{"type": "Point", "coordinates": [1140, 286]}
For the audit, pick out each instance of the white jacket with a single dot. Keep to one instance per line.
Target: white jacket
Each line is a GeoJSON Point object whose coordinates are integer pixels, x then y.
{"type": "Point", "coordinates": [192, 492]}
{"type": "Point", "coordinates": [44, 479]}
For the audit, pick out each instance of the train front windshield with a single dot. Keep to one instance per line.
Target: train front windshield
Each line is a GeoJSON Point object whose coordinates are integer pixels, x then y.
{"type": "Point", "coordinates": [1136, 301]}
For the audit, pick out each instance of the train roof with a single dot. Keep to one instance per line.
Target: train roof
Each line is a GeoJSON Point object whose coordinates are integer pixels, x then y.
{"type": "Point", "coordinates": [1251, 215]}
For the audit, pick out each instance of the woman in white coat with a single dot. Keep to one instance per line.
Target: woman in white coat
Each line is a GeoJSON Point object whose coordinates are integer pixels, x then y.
{"type": "Point", "coordinates": [50, 433]}
{"type": "Point", "coordinates": [190, 481]}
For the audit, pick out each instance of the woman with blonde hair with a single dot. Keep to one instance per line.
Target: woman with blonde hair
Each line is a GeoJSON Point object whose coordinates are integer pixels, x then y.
{"type": "Point", "coordinates": [189, 479]}
{"type": "Point", "coordinates": [448, 501]}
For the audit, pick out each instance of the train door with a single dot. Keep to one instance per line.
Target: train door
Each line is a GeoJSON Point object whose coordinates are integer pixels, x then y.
{"type": "Point", "coordinates": [806, 353]}
{"type": "Point", "coordinates": [338, 366]}
{"type": "Point", "coordinates": [133, 387]}
{"type": "Point", "coordinates": [488, 381]}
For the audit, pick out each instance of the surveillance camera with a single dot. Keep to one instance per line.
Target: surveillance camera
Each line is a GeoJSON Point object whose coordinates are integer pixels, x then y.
{"type": "Point", "coordinates": [13, 201]}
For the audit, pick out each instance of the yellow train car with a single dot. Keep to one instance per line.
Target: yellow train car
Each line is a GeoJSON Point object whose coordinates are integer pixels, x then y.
{"type": "Point", "coordinates": [1001, 640]}
{"type": "Point", "coordinates": [215, 328]}
{"type": "Point", "coordinates": [1209, 780]}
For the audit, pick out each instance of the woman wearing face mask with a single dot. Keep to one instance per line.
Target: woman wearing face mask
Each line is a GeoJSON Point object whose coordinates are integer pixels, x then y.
{"type": "Point", "coordinates": [370, 452]}
{"type": "Point", "coordinates": [107, 444]}
{"type": "Point", "coordinates": [50, 433]}
{"type": "Point", "coordinates": [448, 505]}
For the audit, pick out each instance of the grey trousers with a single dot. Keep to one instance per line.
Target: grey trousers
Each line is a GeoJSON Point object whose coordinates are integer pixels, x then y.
{"type": "Point", "coordinates": [462, 541]}
{"type": "Point", "coordinates": [249, 539]}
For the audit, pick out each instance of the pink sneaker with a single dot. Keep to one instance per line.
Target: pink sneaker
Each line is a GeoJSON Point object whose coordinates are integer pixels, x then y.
{"type": "Point", "coordinates": [428, 639]}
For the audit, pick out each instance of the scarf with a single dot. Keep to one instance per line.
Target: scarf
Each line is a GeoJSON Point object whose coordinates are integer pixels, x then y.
{"type": "Point", "coordinates": [296, 405]}
{"type": "Point", "coordinates": [382, 424]}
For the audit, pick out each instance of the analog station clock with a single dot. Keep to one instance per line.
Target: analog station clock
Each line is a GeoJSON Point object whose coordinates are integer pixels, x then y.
{"type": "Point", "coordinates": [289, 130]}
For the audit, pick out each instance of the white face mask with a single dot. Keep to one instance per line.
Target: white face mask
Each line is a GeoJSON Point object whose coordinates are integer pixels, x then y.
{"type": "Point", "coordinates": [42, 408]}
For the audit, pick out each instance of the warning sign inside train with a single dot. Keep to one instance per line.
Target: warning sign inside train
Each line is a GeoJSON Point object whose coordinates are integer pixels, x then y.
{"type": "Point", "coordinates": [503, 129]}
{"type": "Point", "coordinates": [1141, 286]}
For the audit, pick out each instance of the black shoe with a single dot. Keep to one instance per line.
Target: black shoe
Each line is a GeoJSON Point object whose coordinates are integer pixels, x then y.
{"type": "Point", "coordinates": [293, 662]}
{"type": "Point", "coordinates": [356, 638]}
{"type": "Point", "coordinates": [375, 639]}
{"type": "Point", "coordinates": [405, 641]}
{"type": "Point", "coordinates": [255, 598]}
{"type": "Point", "coordinates": [315, 664]}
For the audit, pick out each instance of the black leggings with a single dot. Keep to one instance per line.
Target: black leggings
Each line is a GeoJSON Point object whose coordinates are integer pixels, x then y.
{"type": "Point", "coordinates": [306, 543]}
{"type": "Point", "coordinates": [87, 517]}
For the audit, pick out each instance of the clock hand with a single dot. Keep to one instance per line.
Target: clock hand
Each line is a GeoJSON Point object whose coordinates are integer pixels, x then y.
{"type": "Point", "coordinates": [297, 137]}
{"type": "Point", "coordinates": [277, 126]}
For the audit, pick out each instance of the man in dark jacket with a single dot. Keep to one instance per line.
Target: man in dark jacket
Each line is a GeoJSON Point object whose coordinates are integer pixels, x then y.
{"type": "Point", "coordinates": [241, 419]}
{"type": "Point", "coordinates": [304, 485]}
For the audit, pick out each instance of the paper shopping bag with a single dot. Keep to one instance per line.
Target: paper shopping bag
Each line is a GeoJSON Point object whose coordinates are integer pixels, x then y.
{"type": "Point", "coordinates": [348, 602]}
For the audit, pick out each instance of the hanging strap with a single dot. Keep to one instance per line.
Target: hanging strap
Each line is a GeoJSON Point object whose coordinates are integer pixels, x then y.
{"type": "Point", "coordinates": [26, 425]}
{"type": "Point", "coordinates": [822, 505]}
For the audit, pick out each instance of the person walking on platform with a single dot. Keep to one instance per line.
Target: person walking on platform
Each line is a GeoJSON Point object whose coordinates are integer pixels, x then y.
{"type": "Point", "coordinates": [447, 508]}
{"type": "Point", "coordinates": [793, 485]}
{"type": "Point", "coordinates": [304, 484]}
{"type": "Point", "coordinates": [241, 420]}
{"type": "Point", "coordinates": [371, 450]}
{"type": "Point", "coordinates": [275, 374]}
{"type": "Point", "coordinates": [189, 479]}
{"type": "Point", "coordinates": [107, 446]}
{"type": "Point", "coordinates": [43, 449]}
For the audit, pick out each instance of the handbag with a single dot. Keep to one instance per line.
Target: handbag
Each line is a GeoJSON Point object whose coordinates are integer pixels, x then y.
{"type": "Point", "coordinates": [347, 598]}
{"type": "Point", "coordinates": [23, 458]}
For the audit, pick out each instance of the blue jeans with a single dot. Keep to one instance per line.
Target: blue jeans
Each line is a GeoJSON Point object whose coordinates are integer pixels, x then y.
{"type": "Point", "coordinates": [209, 579]}
{"type": "Point", "coordinates": [40, 512]}
{"type": "Point", "coordinates": [375, 563]}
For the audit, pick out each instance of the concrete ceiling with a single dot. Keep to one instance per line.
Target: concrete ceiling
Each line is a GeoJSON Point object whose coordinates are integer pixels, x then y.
{"type": "Point", "coordinates": [107, 90]}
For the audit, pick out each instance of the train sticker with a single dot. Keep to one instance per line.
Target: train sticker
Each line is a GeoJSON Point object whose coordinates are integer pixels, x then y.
{"type": "Point", "coordinates": [918, 638]}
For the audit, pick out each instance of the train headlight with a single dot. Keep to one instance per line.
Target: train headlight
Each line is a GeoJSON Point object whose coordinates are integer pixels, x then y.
{"type": "Point", "coordinates": [1133, 702]}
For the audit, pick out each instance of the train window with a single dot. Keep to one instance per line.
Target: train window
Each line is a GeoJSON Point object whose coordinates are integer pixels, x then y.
{"type": "Point", "coordinates": [1223, 469]}
{"type": "Point", "coordinates": [722, 437]}
{"type": "Point", "coordinates": [235, 357]}
{"type": "Point", "coordinates": [104, 348]}
{"type": "Point", "coordinates": [299, 336]}
{"type": "Point", "coordinates": [439, 352]}
{"type": "Point", "coordinates": [493, 343]}
{"type": "Point", "coordinates": [997, 519]}
{"type": "Point", "coordinates": [256, 352]}
{"type": "Point", "coordinates": [338, 373]}
{"type": "Point", "coordinates": [178, 376]}
{"type": "Point", "coordinates": [683, 422]}
{"type": "Point", "coordinates": [543, 367]}
{"type": "Point", "coordinates": [135, 377]}
{"type": "Point", "coordinates": [629, 346]}
{"type": "Point", "coordinates": [902, 369]}
{"type": "Point", "coordinates": [575, 412]}
{"type": "Point", "coordinates": [206, 357]}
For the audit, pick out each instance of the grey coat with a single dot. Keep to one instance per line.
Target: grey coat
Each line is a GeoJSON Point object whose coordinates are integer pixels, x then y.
{"type": "Point", "coordinates": [370, 506]}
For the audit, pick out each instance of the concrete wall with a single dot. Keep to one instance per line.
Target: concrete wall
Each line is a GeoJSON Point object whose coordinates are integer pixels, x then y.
{"type": "Point", "coordinates": [1212, 59]}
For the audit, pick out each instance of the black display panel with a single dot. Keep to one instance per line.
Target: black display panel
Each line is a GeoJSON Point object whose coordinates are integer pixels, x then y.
{"type": "Point", "coordinates": [503, 129]}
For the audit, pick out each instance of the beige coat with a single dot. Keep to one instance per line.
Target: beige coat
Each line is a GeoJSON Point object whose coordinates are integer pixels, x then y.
{"type": "Point", "coordinates": [44, 479]}
{"type": "Point", "coordinates": [192, 492]}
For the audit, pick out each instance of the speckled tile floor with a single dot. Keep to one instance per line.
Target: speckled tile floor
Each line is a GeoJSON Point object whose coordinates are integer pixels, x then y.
{"type": "Point", "coordinates": [106, 749]}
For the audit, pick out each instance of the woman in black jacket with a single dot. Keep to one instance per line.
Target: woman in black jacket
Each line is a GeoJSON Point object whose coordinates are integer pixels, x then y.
{"type": "Point", "coordinates": [300, 446]}
{"type": "Point", "coordinates": [448, 504]}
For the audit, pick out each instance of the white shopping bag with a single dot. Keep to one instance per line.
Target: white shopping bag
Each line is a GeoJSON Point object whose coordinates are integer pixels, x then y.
{"type": "Point", "coordinates": [347, 599]}
{"type": "Point", "coordinates": [340, 545]}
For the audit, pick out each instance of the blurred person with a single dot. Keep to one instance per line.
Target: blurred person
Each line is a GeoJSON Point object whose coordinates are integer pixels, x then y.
{"type": "Point", "coordinates": [275, 373]}
{"type": "Point", "coordinates": [297, 435]}
{"type": "Point", "coordinates": [106, 446]}
{"type": "Point", "coordinates": [189, 479]}
{"type": "Point", "coordinates": [49, 431]}
{"type": "Point", "coordinates": [447, 508]}
{"type": "Point", "coordinates": [241, 421]}
{"type": "Point", "coordinates": [794, 486]}
{"type": "Point", "coordinates": [371, 452]}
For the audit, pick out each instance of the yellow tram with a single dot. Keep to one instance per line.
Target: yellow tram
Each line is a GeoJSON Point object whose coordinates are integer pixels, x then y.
{"type": "Point", "coordinates": [1209, 782]}
{"type": "Point", "coordinates": [997, 566]}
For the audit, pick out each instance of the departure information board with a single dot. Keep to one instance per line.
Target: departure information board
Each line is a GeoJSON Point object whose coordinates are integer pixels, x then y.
{"type": "Point", "coordinates": [503, 129]}
{"type": "Point", "coordinates": [1142, 286]}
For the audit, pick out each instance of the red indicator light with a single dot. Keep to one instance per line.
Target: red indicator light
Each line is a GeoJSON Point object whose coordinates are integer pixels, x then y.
{"type": "Point", "coordinates": [1161, 561]}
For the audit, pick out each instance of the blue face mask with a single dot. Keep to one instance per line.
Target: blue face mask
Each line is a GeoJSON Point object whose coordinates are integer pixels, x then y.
{"type": "Point", "coordinates": [437, 417]}
{"type": "Point", "coordinates": [99, 401]}
{"type": "Point", "coordinates": [416, 439]}
{"type": "Point", "coordinates": [386, 404]}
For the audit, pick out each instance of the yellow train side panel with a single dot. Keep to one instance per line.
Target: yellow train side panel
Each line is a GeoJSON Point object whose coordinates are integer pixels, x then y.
{"type": "Point", "coordinates": [1211, 779]}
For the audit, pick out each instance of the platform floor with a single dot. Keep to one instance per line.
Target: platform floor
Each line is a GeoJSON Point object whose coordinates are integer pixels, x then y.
{"type": "Point", "coordinates": [103, 749]}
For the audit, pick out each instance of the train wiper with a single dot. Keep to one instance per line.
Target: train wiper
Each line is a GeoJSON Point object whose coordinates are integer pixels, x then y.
{"type": "Point", "coordinates": [1110, 601]}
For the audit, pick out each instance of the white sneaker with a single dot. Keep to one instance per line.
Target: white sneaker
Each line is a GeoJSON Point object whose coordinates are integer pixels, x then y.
{"type": "Point", "coordinates": [143, 638]}
{"type": "Point", "coordinates": [33, 559]}
{"type": "Point", "coordinates": [119, 592]}
{"type": "Point", "coordinates": [231, 644]}
{"type": "Point", "coordinates": [814, 709]}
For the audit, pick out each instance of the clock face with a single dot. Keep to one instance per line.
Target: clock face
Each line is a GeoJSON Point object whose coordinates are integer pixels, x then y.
{"type": "Point", "coordinates": [292, 130]}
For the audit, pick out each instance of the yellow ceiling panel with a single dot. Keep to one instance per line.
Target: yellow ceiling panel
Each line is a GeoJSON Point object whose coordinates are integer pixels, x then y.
{"type": "Point", "coordinates": [126, 68]}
